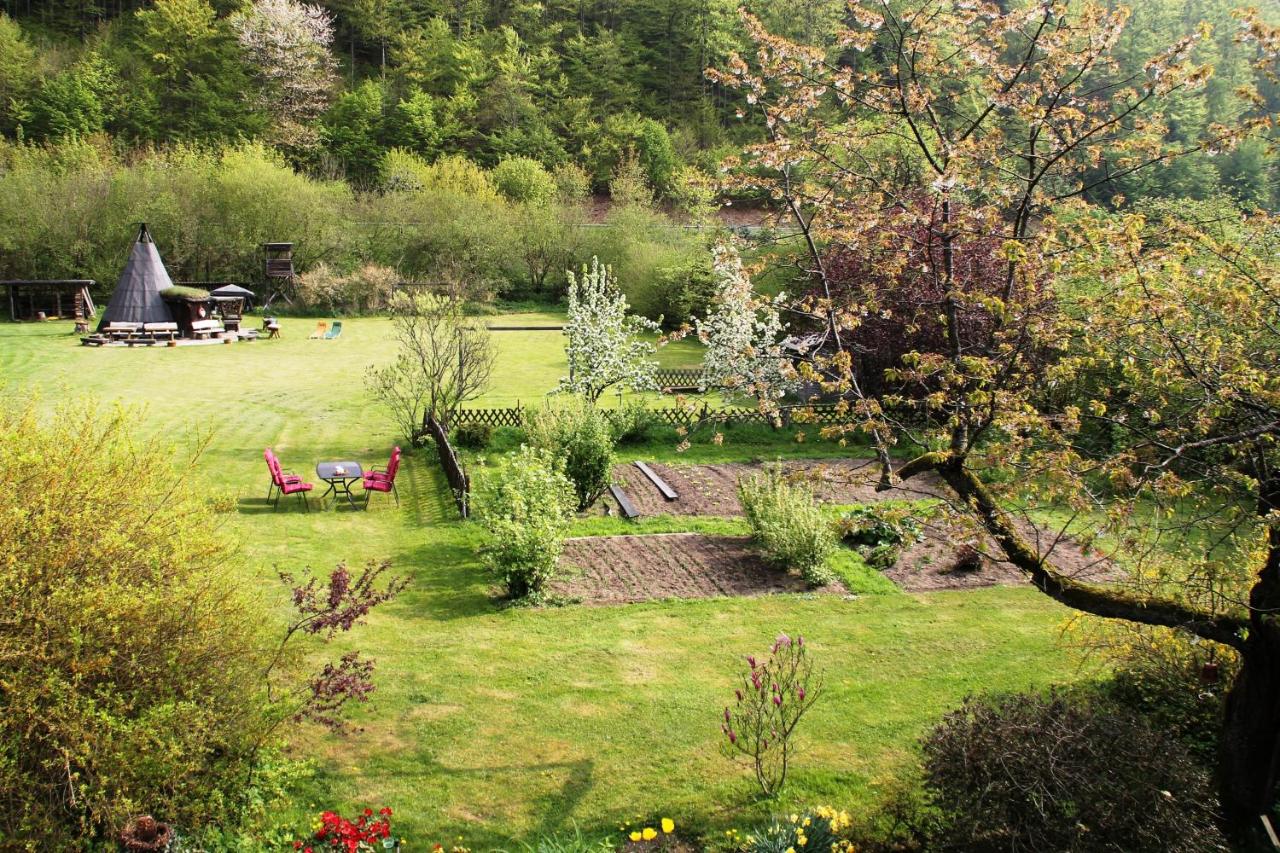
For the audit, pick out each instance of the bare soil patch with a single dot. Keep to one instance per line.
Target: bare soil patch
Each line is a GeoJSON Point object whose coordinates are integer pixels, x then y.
{"type": "Point", "coordinates": [931, 564]}
{"type": "Point", "coordinates": [712, 489]}
{"type": "Point", "coordinates": [934, 562]}
{"type": "Point", "coordinates": [624, 569]}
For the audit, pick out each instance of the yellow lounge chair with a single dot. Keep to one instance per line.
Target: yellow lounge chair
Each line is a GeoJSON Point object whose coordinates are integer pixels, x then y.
{"type": "Point", "coordinates": [321, 328]}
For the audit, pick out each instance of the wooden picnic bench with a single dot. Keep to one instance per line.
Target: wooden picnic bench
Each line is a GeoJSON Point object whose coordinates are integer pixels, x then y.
{"type": "Point", "coordinates": [667, 492]}
{"type": "Point", "coordinates": [121, 331]}
{"type": "Point", "coordinates": [156, 331]}
{"type": "Point", "coordinates": [204, 329]}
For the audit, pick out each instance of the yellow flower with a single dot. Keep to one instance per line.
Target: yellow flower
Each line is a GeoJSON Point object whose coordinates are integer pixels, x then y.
{"type": "Point", "coordinates": [795, 818]}
{"type": "Point", "coordinates": [668, 825]}
{"type": "Point", "coordinates": [635, 836]}
{"type": "Point", "coordinates": [650, 833]}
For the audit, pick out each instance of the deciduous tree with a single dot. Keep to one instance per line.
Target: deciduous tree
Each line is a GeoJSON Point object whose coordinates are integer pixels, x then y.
{"type": "Point", "coordinates": [443, 359]}
{"type": "Point", "coordinates": [606, 344]}
{"type": "Point", "coordinates": [982, 124]}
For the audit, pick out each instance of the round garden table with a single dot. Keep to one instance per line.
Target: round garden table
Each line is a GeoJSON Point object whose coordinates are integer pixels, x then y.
{"type": "Point", "coordinates": [339, 476]}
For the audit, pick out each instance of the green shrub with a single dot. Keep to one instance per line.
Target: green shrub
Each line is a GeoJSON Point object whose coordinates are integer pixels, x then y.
{"type": "Point", "coordinates": [473, 435]}
{"type": "Point", "coordinates": [526, 514]}
{"type": "Point", "coordinates": [580, 436]}
{"type": "Point", "coordinates": [131, 661]}
{"type": "Point", "coordinates": [632, 423]}
{"type": "Point", "coordinates": [1028, 772]}
{"type": "Point", "coordinates": [1176, 683]}
{"type": "Point", "coordinates": [788, 525]}
{"type": "Point", "coordinates": [369, 288]}
{"type": "Point", "coordinates": [523, 180]}
{"type": "Point", "coordinates": [881, 531]}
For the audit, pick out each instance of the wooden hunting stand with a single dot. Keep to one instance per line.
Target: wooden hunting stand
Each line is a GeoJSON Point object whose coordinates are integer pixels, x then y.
{"type": "Point", "coordinates": [278, 267]}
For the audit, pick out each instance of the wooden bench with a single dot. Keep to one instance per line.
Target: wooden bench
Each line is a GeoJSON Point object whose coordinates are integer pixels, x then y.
{"type": "Point", "coordinates": [625, 506]}
{"type": "Point", "coordinates": [667, 492]}
{"type": "Point", "coordinates": [204, 329]}
{"type": "Point", "coordinates": [168, 331]}
{"type": "Point", "coordinates": [121, 331]}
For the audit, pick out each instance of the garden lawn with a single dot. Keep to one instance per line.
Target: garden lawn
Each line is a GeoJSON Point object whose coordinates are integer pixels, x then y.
{"type": "Point", "coordinates": [495, 723]}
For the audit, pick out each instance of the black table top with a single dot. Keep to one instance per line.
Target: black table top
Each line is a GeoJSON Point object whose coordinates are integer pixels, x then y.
{"type": "Point", "coordinates": [329, 471]}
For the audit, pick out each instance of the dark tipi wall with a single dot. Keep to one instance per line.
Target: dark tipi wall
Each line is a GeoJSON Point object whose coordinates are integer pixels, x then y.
{"type": "Point", "coordinates": [136, 298]}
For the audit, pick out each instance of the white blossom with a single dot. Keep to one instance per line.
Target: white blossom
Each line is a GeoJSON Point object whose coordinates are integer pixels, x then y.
{"type": "Point", "coordinates": [287, 43]}
{"type": "Point", "coordinates": [742, 334]}
{"type": "Point", "coordinates": [606, 345]}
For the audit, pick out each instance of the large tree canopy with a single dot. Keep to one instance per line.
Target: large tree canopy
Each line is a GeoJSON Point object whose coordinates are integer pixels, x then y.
{"type": "Point", "coordinates": [959, 165]}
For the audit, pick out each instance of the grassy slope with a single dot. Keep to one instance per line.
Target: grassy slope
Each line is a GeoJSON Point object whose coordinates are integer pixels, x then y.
{"type": "Point", "coordinates": [494, 722]}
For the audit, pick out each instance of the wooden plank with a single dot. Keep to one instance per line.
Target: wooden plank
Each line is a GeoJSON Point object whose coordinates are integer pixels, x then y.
{"type": "Point", "coordinates": [1271, 832]}
{"type": "Point", "coordinates": [667, 492]}
{"type": "Point", "coordinates": [625, 506]}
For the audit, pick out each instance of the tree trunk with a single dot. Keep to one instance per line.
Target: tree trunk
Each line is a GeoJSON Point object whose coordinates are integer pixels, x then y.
{"type": "Point", "coordinates": [1250, 748]}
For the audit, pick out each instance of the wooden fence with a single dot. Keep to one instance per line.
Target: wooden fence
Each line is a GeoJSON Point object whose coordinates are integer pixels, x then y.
{"type": "Point", "coordinates": [679, 378]}
{"type": "Point", "coordinates": [459, 482]}
{"type": "Point", "coordinates": [676, 416]}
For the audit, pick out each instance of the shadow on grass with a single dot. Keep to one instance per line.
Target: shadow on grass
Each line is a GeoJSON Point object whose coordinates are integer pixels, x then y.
{"type": "Point", "coordinates": [262, 506]}
{"type": "Point", "coordinates": [448, 580]}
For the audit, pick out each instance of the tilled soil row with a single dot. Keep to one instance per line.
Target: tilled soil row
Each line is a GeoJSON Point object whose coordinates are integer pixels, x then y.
{"type": "Point", "coordinates": [623, 569]}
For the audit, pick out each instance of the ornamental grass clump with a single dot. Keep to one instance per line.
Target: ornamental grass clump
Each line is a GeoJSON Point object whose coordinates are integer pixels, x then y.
{"type": "Point", "coordinates": [526, 514]}
{"type": "Point", "coordinates": [788, 525]}
{"type": "Point", "coordinates": [774, 696]}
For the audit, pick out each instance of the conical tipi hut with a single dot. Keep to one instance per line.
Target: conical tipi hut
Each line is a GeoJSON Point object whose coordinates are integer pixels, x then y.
{"type": "Point", "coordinates": [136, 298]}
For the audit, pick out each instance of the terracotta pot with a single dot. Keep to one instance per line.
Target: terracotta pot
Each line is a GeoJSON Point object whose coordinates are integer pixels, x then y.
{"type": "Point", "coordinates": [1209, 673]}
{"type": "Point", "coordinates": [145, 833]}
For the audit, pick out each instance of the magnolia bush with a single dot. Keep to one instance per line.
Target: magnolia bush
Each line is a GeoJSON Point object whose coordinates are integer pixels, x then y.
{"type": "Point", "coordinates": [774, 695]}
{"type": "Point", "coordinates": [581, 438]}
{"type": "Point", "coordinates": [606, 344]}
{"type": "Point", "coordinates": [788, 525]}
{"type": "Point", "coordinates": [526, 514]}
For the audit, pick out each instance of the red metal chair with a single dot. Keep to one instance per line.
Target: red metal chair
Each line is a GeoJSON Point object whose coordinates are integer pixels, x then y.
{"type": "Point", "coordinates": [285, 482]}
{"type": "Point", "coordinates": [383, 480]}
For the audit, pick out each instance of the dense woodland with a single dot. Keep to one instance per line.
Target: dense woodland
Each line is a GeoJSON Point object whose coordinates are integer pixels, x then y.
{"type": "Point", "coordinates": [559, 82]}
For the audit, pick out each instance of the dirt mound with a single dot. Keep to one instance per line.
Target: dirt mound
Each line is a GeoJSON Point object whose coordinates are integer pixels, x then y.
{"type": "Point", "coordinates": [622, 569]}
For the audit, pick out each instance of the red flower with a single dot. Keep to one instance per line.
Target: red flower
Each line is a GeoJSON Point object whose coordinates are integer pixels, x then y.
{"type": "Point", "coordinates": [385, 811]}
{"type": "Point", "coordinates": [297, 845]}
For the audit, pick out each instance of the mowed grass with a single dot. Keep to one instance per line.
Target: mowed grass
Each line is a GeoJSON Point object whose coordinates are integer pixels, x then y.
{"type": "Point", "coordinates": [496, 723]}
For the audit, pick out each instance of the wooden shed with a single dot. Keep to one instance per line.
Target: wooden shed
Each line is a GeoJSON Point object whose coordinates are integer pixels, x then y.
{"type": "Point", "coordinates": [55, 299]}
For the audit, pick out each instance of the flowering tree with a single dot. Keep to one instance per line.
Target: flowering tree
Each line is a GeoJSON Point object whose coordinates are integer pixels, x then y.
{"type": "Point", "coordinates": [742, 335]}
{"type": "Point", "coordinates": [287, 43]}
{"type": "Point", "coordinates": [775, 694]}
{"type": "Point", "coordinates": [606, 346]}
{"type": "Point", "coordinates": [980, 127]}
